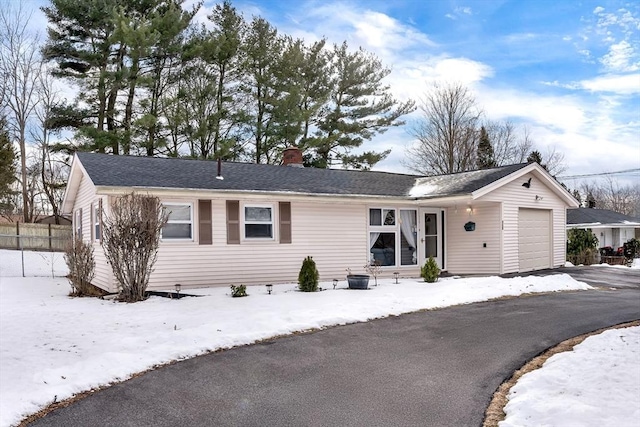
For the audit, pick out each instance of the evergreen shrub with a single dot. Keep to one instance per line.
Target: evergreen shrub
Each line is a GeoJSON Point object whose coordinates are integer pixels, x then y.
{"type": "Point", "coordinates": [308, 276]}
{"type": "Point", "coordinates": [430, 270]}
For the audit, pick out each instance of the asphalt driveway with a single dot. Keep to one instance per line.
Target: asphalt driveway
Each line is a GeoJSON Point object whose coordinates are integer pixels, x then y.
{"type": "Point", "coordinates": [608, 277]}
{"type": "Point", "coordinates": [434, 368]}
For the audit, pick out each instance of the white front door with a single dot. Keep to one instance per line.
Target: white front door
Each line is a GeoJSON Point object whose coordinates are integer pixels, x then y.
{"type": "Point", "coordinates": [431, 235]}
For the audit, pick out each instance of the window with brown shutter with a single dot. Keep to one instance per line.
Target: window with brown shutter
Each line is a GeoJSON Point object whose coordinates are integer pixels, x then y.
{"type": "Point", "coordinates": [205, 236]}
{"type": "Point", "coordinates": [285, 222]}
{"type": "Point", "coordinates": [233, 222]}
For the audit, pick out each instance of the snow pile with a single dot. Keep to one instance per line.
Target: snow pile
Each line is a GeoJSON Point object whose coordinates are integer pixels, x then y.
{"type": "Point", "coordinates": [596, 384]}
{"type": "Point", "coordinates": [52, 345]}
{"type": "Point", "coordinates": [421, 189]}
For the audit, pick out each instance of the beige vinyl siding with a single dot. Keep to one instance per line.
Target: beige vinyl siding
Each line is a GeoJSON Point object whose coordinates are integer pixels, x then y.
{"type": "Point", "coordinates": [514, 196]}
{"type": "Point", "coordinates": [85, 198]}
{"type": "Point", "coordinates": [335, 235]}
{"type": "Point", "coordinates": [465, 250]}
{"type": "Point", "coordinates": [104, 275]}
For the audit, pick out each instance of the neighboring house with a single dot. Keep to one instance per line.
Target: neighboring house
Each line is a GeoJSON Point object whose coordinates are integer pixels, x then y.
{"type": "Point", "coordinates": [256, 223]}
{"type": "Point", "coordinates": [51, 219]}
{"type": "Point", "coordinates": [611, 228]}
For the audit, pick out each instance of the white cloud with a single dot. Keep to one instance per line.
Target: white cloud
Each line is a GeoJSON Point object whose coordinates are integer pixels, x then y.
{"type": "Point", "coordinates": [412, 78]}
{"type": "Point", "coordinates": [620, 58]}
{"type": "Point", "coordinates": [563, 114]}
{"type": "Point", "coordinates": [465, 10]}
{"type": "Point", "coordinates": [390, 39]}
{"type": "Point", "coordinates": [621, 84]}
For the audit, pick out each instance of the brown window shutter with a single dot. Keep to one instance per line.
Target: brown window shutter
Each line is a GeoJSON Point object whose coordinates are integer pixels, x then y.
{"type": "Point", "coordinates": [80, 226]}
{"type": "Point", "coordinates": [205, 236]}
{"type": "Point", "coordinates": [233, 222]}
{"type": "Point", "coordinates": [285, 222]}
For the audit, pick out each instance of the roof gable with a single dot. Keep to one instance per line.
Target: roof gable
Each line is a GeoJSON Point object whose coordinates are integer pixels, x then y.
{"type": "Point", "coordinates": [538, 171]}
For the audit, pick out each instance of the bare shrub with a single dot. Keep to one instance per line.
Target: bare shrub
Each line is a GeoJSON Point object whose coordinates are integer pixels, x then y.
{"type": "Point", "coordinates": [131, 238]}
{"type": "Point", "coordinates": [81, 263]}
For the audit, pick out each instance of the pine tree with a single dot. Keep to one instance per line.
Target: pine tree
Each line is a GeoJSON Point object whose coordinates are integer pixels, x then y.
{"type": "Point", "coordinates": [263, 50]}
{"type": "Point", "coordinates": [485, 156]}
{"type": "Point", "coordinates": [360, 107]}
{"type": "Point", "coordinates": [7, 168]}
{"type": "Point", "coordinates": [535, 156]}
{"type": "Point", "coordinates": [222, 51]}
{"type": "Point", "coordinates": [112, 50]}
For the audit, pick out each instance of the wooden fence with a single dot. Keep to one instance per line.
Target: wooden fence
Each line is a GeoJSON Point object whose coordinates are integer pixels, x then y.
{"type": "Point", "coordinates": [40, 237]}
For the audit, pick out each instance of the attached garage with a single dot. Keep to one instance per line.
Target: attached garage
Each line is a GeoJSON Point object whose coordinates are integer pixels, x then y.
{"type": "Point", "coordinates": [534, 239]}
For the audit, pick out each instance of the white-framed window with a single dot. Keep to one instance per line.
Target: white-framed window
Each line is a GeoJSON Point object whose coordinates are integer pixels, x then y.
{"type": "Point", "coordinates": [78, 223]}
{"type": "Point", "coordinates": [392, 236]}
{"type": "Point", "coordinates": [179, 225]}
{"type": "Point", "coordinates": [382, 217]}
{"type": "Point", "coordinates": [95, 214]}
{"type": "Point", "coordinates": [258, 221]}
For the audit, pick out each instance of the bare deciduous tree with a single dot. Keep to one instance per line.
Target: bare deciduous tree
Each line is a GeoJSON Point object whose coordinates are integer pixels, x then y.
{"type": "Point", "coordinates": [446, 135]}
{"type": "Point", "coordinates": [53, 169]}
{"type": "Point", "coordinates": [554, 161]}
{"type": "Point", "coordinates": [20, 67]}
{"type": "Point", "coordinates": [611, 195]}
{"type": "Point", "coordinates": [524, 146]}
{"type": "Point", "coordinates": [130, 237]}
{"type": "Point", "coordinates": [508, 147]}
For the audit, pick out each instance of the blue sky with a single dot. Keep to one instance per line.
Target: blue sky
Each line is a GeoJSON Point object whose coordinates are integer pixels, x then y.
{"type": "Point", "coordinates": [568, 70]}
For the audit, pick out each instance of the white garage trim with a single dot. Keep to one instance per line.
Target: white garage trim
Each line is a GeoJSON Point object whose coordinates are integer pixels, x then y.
{"type": "Point", "coordinates": [534, 239]}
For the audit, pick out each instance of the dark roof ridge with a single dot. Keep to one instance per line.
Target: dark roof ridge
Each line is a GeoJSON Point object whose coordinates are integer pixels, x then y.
{"type": "Point", "coordinates": [477, 170]}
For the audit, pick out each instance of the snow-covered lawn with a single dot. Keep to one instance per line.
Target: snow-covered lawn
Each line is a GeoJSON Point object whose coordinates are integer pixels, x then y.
{"type": "Point", "coordinates": [596, 384]}
{"type": "Point", "coordinates": [53, 346]}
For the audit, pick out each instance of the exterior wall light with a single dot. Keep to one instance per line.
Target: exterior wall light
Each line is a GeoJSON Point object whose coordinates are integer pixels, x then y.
{"type": "Point", "coordinates": [269, 289]}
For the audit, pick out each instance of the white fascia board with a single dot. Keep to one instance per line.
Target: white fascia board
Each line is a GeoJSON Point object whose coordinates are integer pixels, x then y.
{"type": "Point", "coordinates": [599, 225]}
{"type": "Point", "coordinates": [73, 185]}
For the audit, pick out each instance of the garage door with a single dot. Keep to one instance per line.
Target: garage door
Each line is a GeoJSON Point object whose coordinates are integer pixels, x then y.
{"type": "Point", "coordinates": [534, 239]}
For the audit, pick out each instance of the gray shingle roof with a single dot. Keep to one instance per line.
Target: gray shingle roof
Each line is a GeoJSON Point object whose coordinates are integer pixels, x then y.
{"type": "Point", "coordinates": [131, 171]}
{"type": "Point", "coordinates": [463, 182]}
{"type": "Point", "coordinates": [598, 216]}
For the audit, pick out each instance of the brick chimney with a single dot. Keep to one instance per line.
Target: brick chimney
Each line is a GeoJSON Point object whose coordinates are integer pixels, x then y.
{"type": "Point", "coordinates": [292, 156]}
